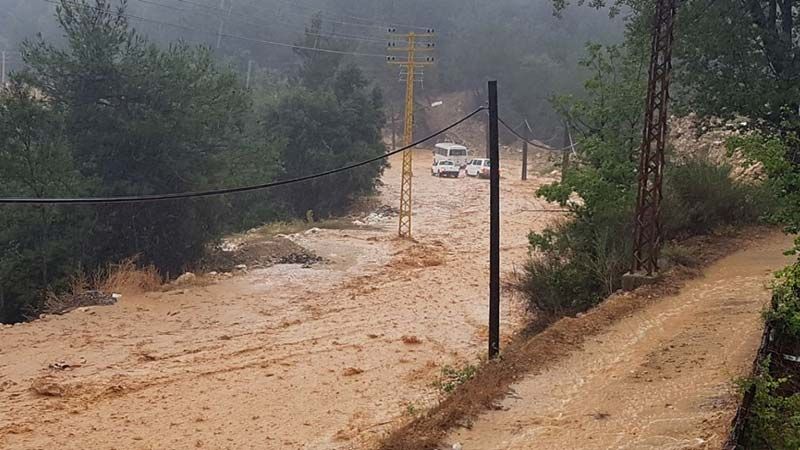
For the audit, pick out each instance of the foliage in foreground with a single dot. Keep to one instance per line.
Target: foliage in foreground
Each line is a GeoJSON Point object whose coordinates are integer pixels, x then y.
{"type": "Point", "coordinates": [774, 421]}
{"type": "Point", "coordinates": [774, 415]}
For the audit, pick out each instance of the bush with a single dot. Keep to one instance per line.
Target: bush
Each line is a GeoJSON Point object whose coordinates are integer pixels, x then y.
{"type": "Point", "coordinates": [679, 255]}
{"type": "Point", "coordinates": [785, 312]}
{"type": "Point", "coordinates": [700, 196]}
{"type": "Point", "coordinates": [556, 286]}
{"type": "Point", "coordinates": [579, 263]}
{"type": "Point", "coordinates": [582, 261]}
{"type": "Point", "coordinates": [774, 420]}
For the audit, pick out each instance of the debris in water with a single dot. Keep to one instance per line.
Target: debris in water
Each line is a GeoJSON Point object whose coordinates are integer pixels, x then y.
{"type": "Point", "coordinates": [411, 340]}
{"type": "Point", "coordinates": [63, 304]}
{"type": "Point", "coordinates": [351, 371]}
{"type": "Point", "coordinates": [186, 278]}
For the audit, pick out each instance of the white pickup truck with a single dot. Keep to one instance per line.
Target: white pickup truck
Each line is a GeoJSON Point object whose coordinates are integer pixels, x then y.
{"type": "Point", "coordinates": [445, 169]}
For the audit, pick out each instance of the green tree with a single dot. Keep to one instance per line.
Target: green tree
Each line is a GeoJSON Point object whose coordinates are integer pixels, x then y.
{"type": "Point", "coordinates": [317, 67]}
{"type": "Point", "coordinates": [325, 128]}
{"type": "Point", "coordinates": [39, 246]}
{"type": "Point", "coordinates": [587, 256]}
{"type": "Point", "coordinates": [733, 57]}
{"type": "Point", "coordinates": [141, 120]}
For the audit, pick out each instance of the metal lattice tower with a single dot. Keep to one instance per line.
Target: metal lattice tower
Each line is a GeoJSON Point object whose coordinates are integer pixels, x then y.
{"type": "Point", "coordinates": [647, 244]}
{"type": "Point", "coordinates": [412, 42]}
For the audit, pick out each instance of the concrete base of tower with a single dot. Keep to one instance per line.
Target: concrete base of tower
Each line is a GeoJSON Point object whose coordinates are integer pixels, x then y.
{"type": "Point", "coordinates": [634, 280]}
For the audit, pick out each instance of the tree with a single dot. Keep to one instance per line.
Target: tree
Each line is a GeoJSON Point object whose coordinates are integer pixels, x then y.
{"type": "Point", "coordinates": [325, 128]}
{"type": "Point", "coordinates": [594, 246]}
{"type": "Point", "coordinates": [733, 57]}
{"type": "Point", "coordinates": [141, 120]}
{"type": "Point", "coordinates": [39, 246]}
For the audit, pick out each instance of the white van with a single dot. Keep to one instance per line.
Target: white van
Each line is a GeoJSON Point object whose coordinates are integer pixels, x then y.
{"type": "Point", "coordinates": [451, 152]}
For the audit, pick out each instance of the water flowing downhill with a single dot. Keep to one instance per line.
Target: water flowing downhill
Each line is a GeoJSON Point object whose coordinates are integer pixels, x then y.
{"type": "Point", "coordinates": [664, 377]}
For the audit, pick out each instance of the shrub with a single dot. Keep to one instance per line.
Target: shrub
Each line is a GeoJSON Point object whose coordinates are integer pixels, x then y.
{"type": "Point", "coordinates": [700, 196]}
{"type": "Point", "coordinates": [774, 420]}
{"type": "Point", "coordinates": [577, 264]}
{"type": "Point", "coordinates": [785, 312]}
{"type": "Point", "coordinates": [453, 377]}
{"type": "Point", "coordinates": [678, 255]}
{"type": "Point", "coordinates": [555, 287]}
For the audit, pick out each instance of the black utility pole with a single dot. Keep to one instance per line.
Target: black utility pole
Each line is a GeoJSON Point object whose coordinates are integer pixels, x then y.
{"type": "Point", "coordinates": [494, 227]}
{"type": "Point", "coordinates": [488, 136]}
{"type": "Point", "coordinates": [524, 160]}
{"type": "Point", "coordinates": [529, 133]}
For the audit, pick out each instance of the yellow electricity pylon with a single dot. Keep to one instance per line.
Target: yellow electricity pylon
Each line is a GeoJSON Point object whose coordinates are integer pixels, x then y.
{"type": "Point", "coordinates": [414, 42]}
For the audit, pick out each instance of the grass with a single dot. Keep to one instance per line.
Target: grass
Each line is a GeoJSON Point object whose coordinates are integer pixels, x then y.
{"type": "Point", "coordinates": [452, 377]}
{"type": "Point", "coordinates": [675, 254]}
{"type": "Point", "coordinates": [125, 277]}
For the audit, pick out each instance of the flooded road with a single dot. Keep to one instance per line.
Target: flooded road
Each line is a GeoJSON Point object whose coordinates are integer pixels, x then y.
{"type": "Point", "coordinates": [280, 358]}
{"type": "Point", "coordinates": [663, 378]}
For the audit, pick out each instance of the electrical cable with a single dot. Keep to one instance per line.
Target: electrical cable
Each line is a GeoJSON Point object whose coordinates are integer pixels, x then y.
{"type": "Point", "coordinates": [244, 38]}
{"type": "Point", "coordinates": [305, 16]}
{"type": "Point", "coordinates": [346, 16]}
{"type": "Point", "coordinates": [216, 192]}
{"type": "Point", "coordinates": [532, 143]}
{"type": "Point", "coordinates": [247, 20]}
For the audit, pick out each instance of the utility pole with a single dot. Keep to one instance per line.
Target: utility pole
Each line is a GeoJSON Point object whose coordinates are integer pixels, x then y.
{"type": "Point", "coordinates": [394, 128]}
{"type": "Point", "coordinates": [529, 135]}
{"type": "Point", "coordinates": [488, 137]}
{"type": "Point", "coordinates": [414, 42]}
{"type": "Point", "coordinates": [494, 223]}
{"type": "Point", "coordinates": [3, 67]}
{"type": "Point", "coordinates": [524, 160]}
{"type": "Point", "coordinates": [222, 22]}
{"type": "Point", "coordinates": [249, 71]}
{"type": "Point", "coordinates": [647, 235]}
{"type": "Point", "coordinates": [565, 154]}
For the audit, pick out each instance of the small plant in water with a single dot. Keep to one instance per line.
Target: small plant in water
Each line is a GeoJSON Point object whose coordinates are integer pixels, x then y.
{"type": "Point", "coordinates": [453, 377]}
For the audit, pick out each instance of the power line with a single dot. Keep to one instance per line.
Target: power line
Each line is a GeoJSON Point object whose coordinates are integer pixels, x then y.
{"type": "Point", "coordinates": [243, 38]}
{"type": "Point", "coordinates": [394, 24]}
{"type": "Point", "coordinates": [246, 20]}
{"type": "Point", "coordinates": [532, 143]}
{"type": "Point", "coordinates": [305, 16]}
{"type": "Point", "coordinates": [216, 192]}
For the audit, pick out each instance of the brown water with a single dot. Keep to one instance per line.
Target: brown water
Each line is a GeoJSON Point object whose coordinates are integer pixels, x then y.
{"type": "Point", "coordinates": [663, 378]}
{"type": "Point", "coordinates": [281, 358]}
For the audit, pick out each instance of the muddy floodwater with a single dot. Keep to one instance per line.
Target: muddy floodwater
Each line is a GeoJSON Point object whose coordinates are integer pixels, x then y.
{"type": "Point", "coordinates": [285, 357]}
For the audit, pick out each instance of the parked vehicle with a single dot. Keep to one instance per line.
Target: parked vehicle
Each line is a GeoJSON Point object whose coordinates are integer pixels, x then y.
{"type": "Point", "coordinates": [458, 154]}
{"type": "Point", "coordinates": [475, 166]}
{"type": "Point", "coordinates": [445, 169]}
{"type": "Point", "coordinates": [485, 171]}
